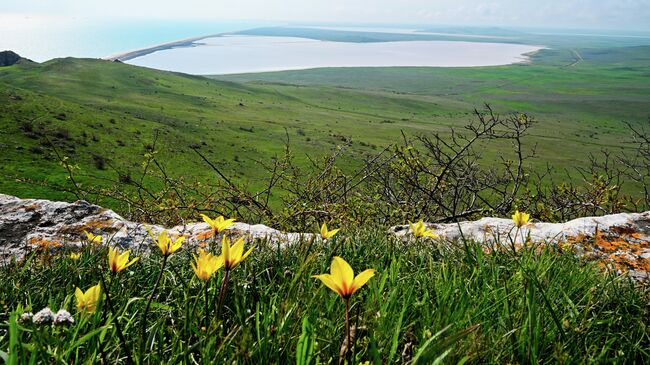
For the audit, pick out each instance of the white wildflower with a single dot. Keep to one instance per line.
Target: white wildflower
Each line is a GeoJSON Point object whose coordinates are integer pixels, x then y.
{"type": "Point", "coordinates": [63, 317]}
{"type": "Point", "coordinates": [44, 316]}
{"type": "Point", "coordinates": [26, 317]}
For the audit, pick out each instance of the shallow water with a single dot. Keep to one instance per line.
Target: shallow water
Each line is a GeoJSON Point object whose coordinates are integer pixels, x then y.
{"type": "Point", "coordinates": [242, 54]}
{"type": "Point", "coordinates": [43, 39]}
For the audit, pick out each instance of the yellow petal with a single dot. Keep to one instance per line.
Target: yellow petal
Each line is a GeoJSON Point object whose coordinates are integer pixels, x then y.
{"type": "Point", "coordinates": [333, 232]}
{"type": "Point", "coordinates": [177, 244]}
{"type": "Point", "coordinates": [323, 230]}
{"type": "Point", "coordinates": [342, 272]}
{"type": "Point", "coordinates": [331, 283]}
{"type": "Point", "coordinates": [79, 295]}
{"type": "Point", "coordinates": [225, 251]}
{"type": "Point", "coordinates": [207, 220]}
{"type": "Point", "coordinates": [430, 234]}
{"type": "Point", "coordinates": [225, 223]}
{"type": "Point", "coordinates": [132, 262]}
{"type": "Point", "coordinates": [362, 279]}
{"type": "Point", "coordinates": [237, 250]}
{"type": "Point", "coordinates": [247, 253]}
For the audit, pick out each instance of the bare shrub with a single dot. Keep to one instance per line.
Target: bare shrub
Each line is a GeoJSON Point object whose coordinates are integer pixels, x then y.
{"type": "Point", "coordinates": [437, 177]}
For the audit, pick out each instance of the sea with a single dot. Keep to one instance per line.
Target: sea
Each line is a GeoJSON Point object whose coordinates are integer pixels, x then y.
{"type": "Point", "coordinates": [42, 39]}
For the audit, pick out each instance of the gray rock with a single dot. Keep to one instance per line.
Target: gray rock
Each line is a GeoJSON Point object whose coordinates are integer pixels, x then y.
{"type": "Point", "coordinates": [26, 224]}
{"type": "Point", "coordinates": [620, 239]}
{"type": "Point", "coordinates": [9, 58]}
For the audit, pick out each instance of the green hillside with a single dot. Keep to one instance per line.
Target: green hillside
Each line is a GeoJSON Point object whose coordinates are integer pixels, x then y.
{"type": "Point", "coordinates": [101, 114]}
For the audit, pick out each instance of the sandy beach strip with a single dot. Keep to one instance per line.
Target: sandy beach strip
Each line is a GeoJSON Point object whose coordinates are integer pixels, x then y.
{"type": "Point", "coordinates": [187, 42]}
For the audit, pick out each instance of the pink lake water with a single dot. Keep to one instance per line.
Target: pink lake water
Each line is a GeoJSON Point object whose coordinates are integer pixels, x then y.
{"type": "Point", "coordinates": [231, 54]}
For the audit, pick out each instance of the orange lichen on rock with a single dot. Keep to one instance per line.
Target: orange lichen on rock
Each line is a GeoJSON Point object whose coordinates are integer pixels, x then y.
{"type": "Point", "coordinates": [620, 247]}
{"type": "Point", "coordinates": [30, 207]}
{"type": "Point", "coordinates": [99, 225]}
{"type": "Point", "coordinates": [204, 235]}
{"type": "Point", "coordinates": [43, 245]}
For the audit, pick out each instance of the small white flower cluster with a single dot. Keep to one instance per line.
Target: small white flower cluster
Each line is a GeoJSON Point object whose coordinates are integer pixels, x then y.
{"type": "Point", "coordinates": [45, 316]}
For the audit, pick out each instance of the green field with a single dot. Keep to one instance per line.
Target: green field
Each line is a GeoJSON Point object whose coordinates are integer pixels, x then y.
{"type": "Point", "coordinates": [101, 113]}
{"type": "Point", "coordinates": [426, 302]}
{"type": "Point", "coordinates": [429, 301]}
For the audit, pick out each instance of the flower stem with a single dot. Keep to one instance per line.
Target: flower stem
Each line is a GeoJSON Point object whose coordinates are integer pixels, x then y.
{"type": "Point", "coordinates": [118, 328]}
{"type": "Point", "coordinates": [153, 292]}
{"type": "Point", "coordinates": [205, 292]}
{"type": "Point", "coordinates": [347, 326]}
{"type": "Point", "coordinates": [222, 292]}
{"type": "Point", "coordinates": [514, 242]}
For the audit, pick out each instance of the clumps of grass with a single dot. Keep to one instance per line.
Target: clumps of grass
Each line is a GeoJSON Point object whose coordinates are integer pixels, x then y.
{"type": "Point", "coordinates": [426, 302]}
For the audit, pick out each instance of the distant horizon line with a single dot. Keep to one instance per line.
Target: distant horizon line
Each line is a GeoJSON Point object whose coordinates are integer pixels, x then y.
{"type": "Point", "coordinates": [276, 22]}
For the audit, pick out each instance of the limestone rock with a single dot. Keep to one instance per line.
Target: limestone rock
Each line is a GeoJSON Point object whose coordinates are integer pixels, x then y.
{"type": "Point", "coordinates": [620, 241]}
{"type": "Point", "coordinates": [26, 224]}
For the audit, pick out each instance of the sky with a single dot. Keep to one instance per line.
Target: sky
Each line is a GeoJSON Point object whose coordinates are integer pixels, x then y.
{"type": "Point", "coordinates": [601, 14]}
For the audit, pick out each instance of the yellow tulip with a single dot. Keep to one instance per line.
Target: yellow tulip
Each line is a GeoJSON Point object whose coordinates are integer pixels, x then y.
{"type": "Point", "coordinates": [94, 239]}
{"type": "Point", "coordinates": [118, 261]}
{"type": "Point", "coordinates": [206, 264]}
{"type": "Point", "coordinates": [420, 230]}
{"type": "Point", "coordinates": [233, 255]}
{"type": "Point", "coordinates": [218, 224]}
{"type": "Point", "coordinates": [75, 255]}
{"type": "Point", "coordinates": [165, 243]}
{"type": "Point", "coordinates": [342, 280]}
{"type": "Point", "coordinates": [520, 218]}
{"type": "Point", "coordinates": [326, 234]}
{"type": "Point", "coordinates": [87, 301]}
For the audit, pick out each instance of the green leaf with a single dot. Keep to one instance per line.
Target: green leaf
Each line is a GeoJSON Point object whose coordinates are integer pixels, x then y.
{"type": "Point", "coordinates": [305, 347]}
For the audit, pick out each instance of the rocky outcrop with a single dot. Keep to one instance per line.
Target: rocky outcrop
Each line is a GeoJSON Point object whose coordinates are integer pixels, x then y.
{"type": "Point", "coordinates": [29, 224]}
{"type": "Point", "coordinates": [9, 58]}
{"type": "Point", "coordinates": [620, 241]}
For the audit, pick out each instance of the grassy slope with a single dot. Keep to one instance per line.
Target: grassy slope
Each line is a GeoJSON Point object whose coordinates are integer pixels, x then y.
{"type": "Point", "coordinates": [581, 97]}
{"type": "Point", "coordinates": [123, 105]}
{"type": "Point", "coordinates": [546, 308]}
{"type": "Point", "coordinates": [113, 109]}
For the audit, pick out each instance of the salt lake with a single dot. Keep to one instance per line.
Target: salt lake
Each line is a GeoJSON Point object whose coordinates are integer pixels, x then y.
{"type": "Point", "coordinates": [231, 54]}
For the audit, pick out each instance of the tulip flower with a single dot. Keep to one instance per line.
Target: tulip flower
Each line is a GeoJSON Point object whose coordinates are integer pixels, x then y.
{"type": "Point", "coordinates": [326, 234]}
{"type": "Point", "coordinates": [94, 239]}
{"type": "Point", "coordinates": [342, 281]}
{"type": "Point", "coordinates": [118, 261]}
{"type": "Point", "coordinates": [87, 301]}
{"type": "Point", "coordinates": [520, 218]}
{"type": "Point", "coordinates": [206, 264]}
{"type": "Point", "coordinates": [231, 256]}
{"type": "Point", "coordinates": [75, 256]}
{"type": "Point", "coordinates": [420, 230]}
{"type": "Point", "coordinates": [218, 224]}
{"type": "Point", "coordinates": [167, 248]}
{"type": "Point", "coordinates": [165, 243]}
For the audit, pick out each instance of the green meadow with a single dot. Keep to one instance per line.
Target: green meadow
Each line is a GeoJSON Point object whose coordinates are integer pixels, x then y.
{"type": "Point", "coordinates": [93, 123]}
{"type": "Point", "coordinates": [427, 303]}
{"type": "Point", "coordinates": [104, 116]}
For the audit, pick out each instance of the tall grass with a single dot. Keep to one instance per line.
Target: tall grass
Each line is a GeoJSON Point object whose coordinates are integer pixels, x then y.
{"type": "Point", "coordinates": [427, 303]}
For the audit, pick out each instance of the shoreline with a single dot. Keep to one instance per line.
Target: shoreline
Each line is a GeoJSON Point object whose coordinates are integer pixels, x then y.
{"type": "Point", "coordinates": [182, 43]}
{"type": "Point", "coordinates": [189, 42]}
{"type": "Point", "coordinates": [524, 58]}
